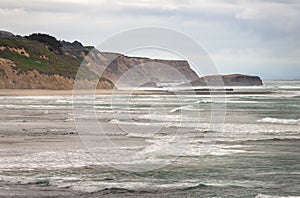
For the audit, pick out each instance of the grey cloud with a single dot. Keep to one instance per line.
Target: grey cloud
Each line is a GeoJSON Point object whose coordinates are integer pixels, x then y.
{"type": "Point", "coordinates": [232, 25]}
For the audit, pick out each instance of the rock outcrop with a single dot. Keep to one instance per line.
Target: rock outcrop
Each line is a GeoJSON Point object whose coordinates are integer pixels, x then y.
{"type": "Point", "coordinates": [228, 80]}
{"type": "Point", "coordinates": [146, 69]}
{"type": "Point", "coordinates": [5, 34]}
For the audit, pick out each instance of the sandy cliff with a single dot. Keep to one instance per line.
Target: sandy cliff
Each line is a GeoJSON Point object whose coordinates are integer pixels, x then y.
{"type": "Point", "coordinates": [11, 79]}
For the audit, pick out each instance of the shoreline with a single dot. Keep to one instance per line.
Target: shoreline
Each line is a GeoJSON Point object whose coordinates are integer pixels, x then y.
{"type": "Point", "coordinates": [47, 92]}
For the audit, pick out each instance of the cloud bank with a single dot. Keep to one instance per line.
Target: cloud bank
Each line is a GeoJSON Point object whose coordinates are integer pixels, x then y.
{"type": "Point", "coordinates": [248, 36]}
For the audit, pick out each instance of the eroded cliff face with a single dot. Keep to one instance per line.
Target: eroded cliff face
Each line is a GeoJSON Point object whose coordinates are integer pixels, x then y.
{"type": "Point", "coordinates": [11, 79]}
{"type": "Point", "coordinates": [145, 69]}
{"type": "Point", "coordinates": [40, 61]}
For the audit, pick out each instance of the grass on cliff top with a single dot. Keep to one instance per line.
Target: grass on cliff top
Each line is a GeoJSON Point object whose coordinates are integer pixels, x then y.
{"type": "Point", "coordinates": [64, 65]}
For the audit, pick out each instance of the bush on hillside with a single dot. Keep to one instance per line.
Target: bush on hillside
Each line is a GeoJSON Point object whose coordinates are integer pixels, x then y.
{"type": "Point", "coordinates": [52, 42]}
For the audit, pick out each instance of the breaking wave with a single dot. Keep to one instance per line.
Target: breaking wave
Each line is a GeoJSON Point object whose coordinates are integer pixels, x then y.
{"type": "Point", "coordinates": [279, 121]}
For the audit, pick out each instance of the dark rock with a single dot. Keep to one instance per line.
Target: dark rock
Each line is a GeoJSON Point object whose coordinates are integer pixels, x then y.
{"type": "Point", "coordinates": [150, 84]}
{"type": "Point", "coordinates": [149, 70]}
{"type": "Point", "coordinates": [228, 80]}
{"type": "Point", "coordinates": [6, 34]}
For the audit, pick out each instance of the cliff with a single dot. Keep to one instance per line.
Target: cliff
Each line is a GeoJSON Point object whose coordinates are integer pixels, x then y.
{"type": "Point", "coordinates": [10, 79]}
{"type": "Point", "coordinates": [146, 69]}
{"type": "Point", "coordinates": [40, 61]}
{"type": "Point", "coordinates": [228, 80]}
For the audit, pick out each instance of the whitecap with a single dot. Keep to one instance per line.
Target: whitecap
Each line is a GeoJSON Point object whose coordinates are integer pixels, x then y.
{"type": "Point", "coordinates": [272, 196]}
{"type": "Point", "coordinates": [60, 101]}
{"type": "Point", "coordinates": [279, 121]}
{"type": "Point", "coordinates": [115, 121]}
{"type": "Point", "coordinates": [185, 108]}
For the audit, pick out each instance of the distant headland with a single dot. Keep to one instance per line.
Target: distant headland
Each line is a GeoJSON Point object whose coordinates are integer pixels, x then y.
{"type": "Point", "coordinates": [40, 61]}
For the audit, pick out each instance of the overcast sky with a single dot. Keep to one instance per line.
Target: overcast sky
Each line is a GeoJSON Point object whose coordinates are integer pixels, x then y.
{"type": "Point", "coordinates": [260, 37]}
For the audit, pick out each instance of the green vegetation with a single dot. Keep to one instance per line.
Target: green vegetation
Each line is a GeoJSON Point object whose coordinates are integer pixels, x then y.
{"type": "Point", "coordinates": [52, 42]}
{"type": "Point", "coordinates": [2, 72]}
{"type": "Point", "coordinates": [46, 55]}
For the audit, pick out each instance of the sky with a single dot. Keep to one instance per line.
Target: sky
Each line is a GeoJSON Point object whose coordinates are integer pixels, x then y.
{"type": "Point", "coordinates": [258, 37]}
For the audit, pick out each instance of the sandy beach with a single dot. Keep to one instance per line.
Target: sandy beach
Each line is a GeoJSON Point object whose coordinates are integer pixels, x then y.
{"type": "Point", "coordinates": [45, 92]}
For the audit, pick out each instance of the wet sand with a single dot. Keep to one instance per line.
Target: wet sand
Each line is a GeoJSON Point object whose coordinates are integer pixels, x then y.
{"type": "Point", "coordinates": [44, 92]}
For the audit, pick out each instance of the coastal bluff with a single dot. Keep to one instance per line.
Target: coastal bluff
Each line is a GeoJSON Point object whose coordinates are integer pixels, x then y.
{"type": "Point", "coordinates": [40, 61]}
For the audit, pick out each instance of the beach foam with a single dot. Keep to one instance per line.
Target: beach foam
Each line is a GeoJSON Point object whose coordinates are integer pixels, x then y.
{"type": "Point", "coordinates": [185, 108]}
{"type": "Point", "coordinates": [279, 121]}
{"type": "Point", "coordinates": [271, 196]}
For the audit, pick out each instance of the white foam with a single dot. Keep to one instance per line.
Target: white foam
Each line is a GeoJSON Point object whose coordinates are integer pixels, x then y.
{"type": "Point", "coordinates": [289, 87]}
{"type": "Point", "coordinates": [204, 101]}
{"type": "Point", "coordinates": [241, 102]}
{"type": "Point", "coordinates": [49, 160]}
{"type": "Point", "coordinates": [213, 149]}
{"type": "Point", "coordinates": [168, 118]}
{"type": "Point", "coordinates": [279, 121]}
{"type": "Point", "coordinates": [19, 106]}
{"type": "Point", "coordinates": [60, 101]}
{"type": "Point", "coordinates": [271, 196]}
{"type": "Point", "coordinates": [185, 108]}
{"type": "Point", "coordinates": [116, 121]}
{"type": "Point", "coordinates": [69, 120]}
{"type": "Point", "coordinates": [39, 97]}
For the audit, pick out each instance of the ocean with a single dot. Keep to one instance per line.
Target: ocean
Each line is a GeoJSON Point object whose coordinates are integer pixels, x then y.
{"type": "Point", "coordinates": [235, 145]}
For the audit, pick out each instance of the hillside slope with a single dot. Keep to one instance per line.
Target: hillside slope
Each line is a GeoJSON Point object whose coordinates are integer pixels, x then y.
{"type": "Point", "coordinates": [40, 61]}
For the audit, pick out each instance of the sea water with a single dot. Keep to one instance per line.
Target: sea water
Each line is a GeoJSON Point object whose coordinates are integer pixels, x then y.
{"type": "Point", "coordinates": [254, 152]}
